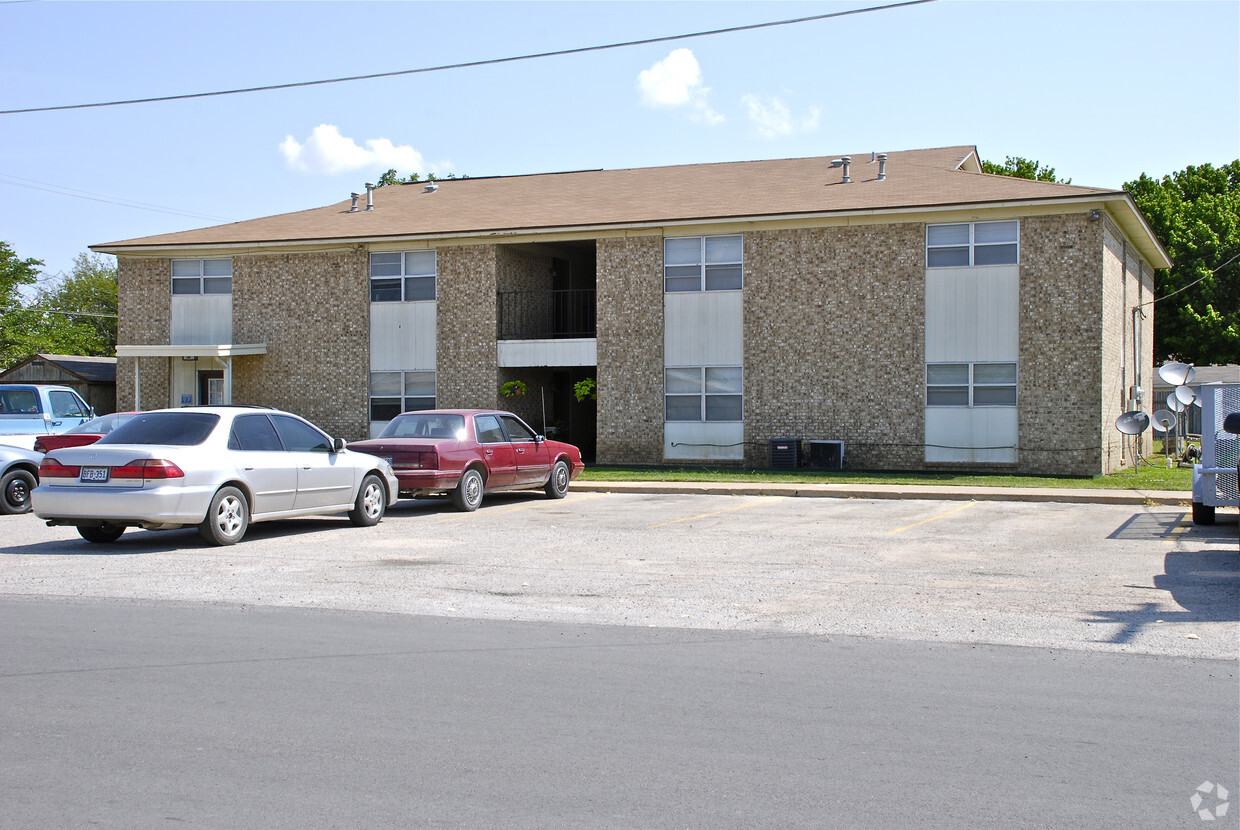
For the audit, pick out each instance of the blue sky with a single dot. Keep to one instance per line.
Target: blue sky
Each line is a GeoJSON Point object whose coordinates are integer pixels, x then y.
{"type": "Point", "coordinates": [1101, 91]}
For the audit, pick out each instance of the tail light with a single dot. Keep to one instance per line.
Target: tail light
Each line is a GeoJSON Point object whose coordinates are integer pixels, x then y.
{"type": "Point", "coordinates": [148, 469]}
{"type": "Point", "coordinates": [39, 446]}
{"type": "Point", "coordinates": [416, 461]}
{"type": "Point", "coordinates": [51, 468]}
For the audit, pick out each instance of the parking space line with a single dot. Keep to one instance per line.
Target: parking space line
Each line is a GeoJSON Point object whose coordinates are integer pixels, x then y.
{"type": "Point", "coordinates": [708, 515]}
{"type": "Point", "coordinates": [932, 519]}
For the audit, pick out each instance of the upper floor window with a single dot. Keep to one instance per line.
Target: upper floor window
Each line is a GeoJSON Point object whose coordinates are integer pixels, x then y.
{"type": "Point", "coordinates": [202, 276]}
{"type": "Point", "coordinates": [398, 276]}
{"type": "Point", "coordinates": [971, 384]}
{"type": "Point", "coordinates": [702, 263]}
{"type": "Point", "coordinates": [972, 243]}
{"type": "Point", "coordinates": [702, 393]}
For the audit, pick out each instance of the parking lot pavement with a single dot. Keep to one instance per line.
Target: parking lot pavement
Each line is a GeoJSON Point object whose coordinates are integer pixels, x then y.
{"type": "Point", "coordinates": [1134, 578]}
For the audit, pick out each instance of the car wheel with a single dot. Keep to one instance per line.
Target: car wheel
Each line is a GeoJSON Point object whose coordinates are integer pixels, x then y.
{"type": "Point", "coordinates": [104, 535]}
{"type": "Point", "coordinates": [16, 486]}
{"type": "Point", "coordinates": [370, 504]}
{"type": "Point", "coordinates": [1203, 514]}
{"type": "Point", "coordinates": [557, 485]}
{"type": "Point", "coordinates": [468, 493]}
{"type": "Point", "coordinates": [227, 518]}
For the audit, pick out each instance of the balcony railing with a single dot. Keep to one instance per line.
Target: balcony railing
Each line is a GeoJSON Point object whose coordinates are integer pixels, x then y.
{"type": "Point", "coordinates": [545, 315]}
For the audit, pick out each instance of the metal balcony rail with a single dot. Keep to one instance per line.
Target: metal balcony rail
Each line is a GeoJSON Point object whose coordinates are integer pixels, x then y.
{"type": "Point", "coordinates": [545, 315]}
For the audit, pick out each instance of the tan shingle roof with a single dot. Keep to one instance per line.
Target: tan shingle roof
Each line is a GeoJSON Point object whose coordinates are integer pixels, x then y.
{"type": "Point", "coordinates": [639, 196]}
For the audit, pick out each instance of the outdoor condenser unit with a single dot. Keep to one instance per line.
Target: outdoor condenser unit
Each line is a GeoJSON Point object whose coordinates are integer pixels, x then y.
{"type": "Point", "coordinates": [825, 455]}
{"type": "Point", "coordinates": [785, 453]}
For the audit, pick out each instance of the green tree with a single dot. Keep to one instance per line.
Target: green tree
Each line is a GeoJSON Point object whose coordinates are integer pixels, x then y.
{"type": "Point", "coordinates": [1195, 213]}
{"type": "Point", "coordinates": [76, 315]}
{"type": "Point", "coordinates": [14, 320]}
{"type": "Point", "coordinates": [392, 177]}
{"type": "Point", "coordinates": [1023, 168]}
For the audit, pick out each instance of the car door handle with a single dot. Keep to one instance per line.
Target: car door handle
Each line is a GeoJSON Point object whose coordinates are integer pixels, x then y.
{"type": "Point", "coordinates": [521, 450]}
{"type": "Point", "coordinates": [490, 452]}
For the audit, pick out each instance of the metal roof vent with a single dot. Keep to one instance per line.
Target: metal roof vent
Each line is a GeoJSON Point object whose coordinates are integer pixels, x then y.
{"type": "Point", "coordinates": [354, 197]}
{"type": "Point", "coordinates": [370, 196]}
{"type": "Point", "coordinates": [430, 188]}
{"type": "Point", "coordinates": [882, 167]}
{"type": "Point", "coordinates": [846, 161]}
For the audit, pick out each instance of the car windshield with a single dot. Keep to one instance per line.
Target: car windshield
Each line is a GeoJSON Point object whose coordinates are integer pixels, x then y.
{"type": "Point", "coordinates": [179, 429]}
{"type": "Point", "coordinates": [101, 425]}
{"type": "Point", "coordinates": [425, 425]}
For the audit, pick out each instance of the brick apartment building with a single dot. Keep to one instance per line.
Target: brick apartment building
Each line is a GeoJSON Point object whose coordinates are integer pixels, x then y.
{"type": "Point", "coordinates": [890, 311]}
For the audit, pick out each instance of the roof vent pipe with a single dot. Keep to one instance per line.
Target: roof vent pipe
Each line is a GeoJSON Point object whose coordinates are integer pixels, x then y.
{"type": "Point", "coordinates": [430, 188]}
{"type": "Point", "coordinates": [846, 160]}
{"type": "Point", "coordinates": [354, 197]}
{"type": "Point", "coordinates": [882, 167]}
{"type": "Point", "coordinates": [370, 196]}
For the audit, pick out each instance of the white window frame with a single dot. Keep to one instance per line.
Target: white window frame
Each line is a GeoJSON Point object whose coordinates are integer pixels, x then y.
{"type": "Point", "coordinates": [970, 385]}
{"type": "Point", "coordinates": [405, 400]}
{"type": "Point", "coordinates": [410, 275]}
{"type": "Point", "coordinates": [980, 240]}
{"type": "Point", "coordinates": [712, 265]}
{"type": "Point", "coordinates": [198, 277]}
{"type": "Point", "coordinates": [677, 383]}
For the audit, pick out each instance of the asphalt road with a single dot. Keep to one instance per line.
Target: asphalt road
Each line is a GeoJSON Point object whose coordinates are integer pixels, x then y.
{"type": "Point", "coordinates": [628, 661]}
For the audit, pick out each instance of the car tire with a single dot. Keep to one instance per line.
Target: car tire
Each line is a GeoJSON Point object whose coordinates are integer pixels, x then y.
{"type": "Point", "coordinates": [557, 484]}
{"type": "Point", "coordinates": [101, 535]}
{"type": "Point", "coordinates": [227, 518]}
{"type": "Point", "coordinates": [468, 493]}
{"type": "Point", "coordinates": [371, 503]}
{"type": "Point", "coordinates": [16, 486]}
{"type": "Point", "coordinates": [1203, 514]}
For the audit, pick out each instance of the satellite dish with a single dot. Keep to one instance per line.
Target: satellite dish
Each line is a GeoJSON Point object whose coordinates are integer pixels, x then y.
{"type": "Point", "coordinates": [1185, 395]}
{"type": "Point", "coordinates": [1177, 374]}
{"type": "Point", "coordinates": [1132, 423]}
{"type": "Point", "coordinates": [1163, 420]}
{"type": "Point", "coordinates": [1175, 404]}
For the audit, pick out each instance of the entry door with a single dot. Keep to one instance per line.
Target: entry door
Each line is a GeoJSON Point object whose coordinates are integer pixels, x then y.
{"type": "Point", "coordinates": [211, 388]}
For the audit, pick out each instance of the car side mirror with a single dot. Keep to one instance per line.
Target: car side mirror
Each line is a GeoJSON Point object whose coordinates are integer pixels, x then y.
{"type": "Point", "coordinates": [538, 439]}
{"type": "Point", "coordinates": [1232, 423]}
{"type": "Point", "coordinates": [338, 445]}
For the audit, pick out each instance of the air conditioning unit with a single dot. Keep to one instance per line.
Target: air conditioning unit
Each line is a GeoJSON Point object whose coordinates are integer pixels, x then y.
{"type": "Point", "coordinates": [825, 455]}
{"type": "Point", "coordinates": [785, 453]}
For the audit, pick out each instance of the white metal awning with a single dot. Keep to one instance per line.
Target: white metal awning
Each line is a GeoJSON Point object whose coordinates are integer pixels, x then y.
{"type": "Point", "coordinates": [223, 352]}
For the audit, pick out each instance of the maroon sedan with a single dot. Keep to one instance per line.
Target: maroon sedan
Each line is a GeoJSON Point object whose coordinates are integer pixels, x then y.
{"type": "Point", "coordinates": [85, 433]}
{"type": "Point", "coordinates": [468, 452]}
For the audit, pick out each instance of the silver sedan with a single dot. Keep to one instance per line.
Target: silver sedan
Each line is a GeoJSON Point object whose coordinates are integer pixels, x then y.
{"type": "Point", "coordinates": [215, 468]}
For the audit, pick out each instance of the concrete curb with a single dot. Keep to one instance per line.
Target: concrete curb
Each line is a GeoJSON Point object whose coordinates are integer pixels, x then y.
{"type": "Point", "coordinates": [891, 491]}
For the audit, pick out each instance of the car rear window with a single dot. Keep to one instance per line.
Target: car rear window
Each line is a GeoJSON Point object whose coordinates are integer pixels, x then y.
{"type": "Point", "coordinates": [428, 425]}
{"type": "Point", "coordinates": [178, 429]}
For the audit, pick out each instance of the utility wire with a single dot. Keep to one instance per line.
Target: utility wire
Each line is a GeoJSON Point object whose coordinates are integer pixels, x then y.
{"type": "Point", "coordinates": [468, 64]}
{"type": "Point", "coordinates": [60, 190]}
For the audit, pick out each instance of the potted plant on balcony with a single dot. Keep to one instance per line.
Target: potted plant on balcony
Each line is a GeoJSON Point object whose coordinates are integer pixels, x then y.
{"type": "Point", "coordinates": [513, 389]}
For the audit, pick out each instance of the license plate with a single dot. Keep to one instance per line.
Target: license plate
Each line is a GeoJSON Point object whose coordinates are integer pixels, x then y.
{"type": "Point", "coordinates": [95, 474]}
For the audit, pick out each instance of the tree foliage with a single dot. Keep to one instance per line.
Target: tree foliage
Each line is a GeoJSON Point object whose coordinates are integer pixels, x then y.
{"type": "Point", "coordinates": [1023, 168]}
{"type": "Point", "coordinates": [76, 315]}
{"type": "Point", "coordinates": [1195, 213]}
{"type": "Point", "coordinates": [392, 177]}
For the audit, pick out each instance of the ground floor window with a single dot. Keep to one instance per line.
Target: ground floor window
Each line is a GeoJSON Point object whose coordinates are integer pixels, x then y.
{"type": "Point", "coordinates": [702, 393]}
{"type": "Point", "coordinates": [392, 393]}
{"type": "Point", "coordinates": [970, 384]}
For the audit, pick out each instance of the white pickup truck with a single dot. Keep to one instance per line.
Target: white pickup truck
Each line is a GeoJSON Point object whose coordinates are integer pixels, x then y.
{"type": "Point", "coordinates": [28, 410]}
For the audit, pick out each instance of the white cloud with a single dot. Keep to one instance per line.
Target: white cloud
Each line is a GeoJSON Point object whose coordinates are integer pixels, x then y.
{"type": "Point", "coordinates": [676, 81]}
{"type": "Point", "coordinates": [773, 118]}
{"type": "Point", "coordinates": [327, 151]}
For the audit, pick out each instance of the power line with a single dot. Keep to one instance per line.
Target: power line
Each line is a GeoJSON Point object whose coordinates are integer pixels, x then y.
{"type": "Point", "coordinates": [469, 64]}
{"type": "Point", "coordinates": [60, 190]}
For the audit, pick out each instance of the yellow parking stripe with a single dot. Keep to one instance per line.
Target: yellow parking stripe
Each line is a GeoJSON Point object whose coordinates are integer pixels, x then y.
{"type": "Point", "coordinates": [708, 515]}
{"type": "Point", "coordinates": [932, 519]}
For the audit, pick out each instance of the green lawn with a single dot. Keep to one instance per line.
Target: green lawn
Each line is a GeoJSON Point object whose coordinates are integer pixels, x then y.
{"type": "Point", "coordinates": [1147, 477]}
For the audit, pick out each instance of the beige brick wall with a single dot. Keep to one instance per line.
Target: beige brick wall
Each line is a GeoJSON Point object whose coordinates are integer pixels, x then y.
{"type": "Point", "coordinates": [1061, 391]}
{"type": "Point", "coordinates": [313, 312]}
{"type": "Point", "coordinates": [630, 350]}
{"type": "Point", "coordinates": [465, 330]}
{"type": "Point", "coordinates": [834, 341]}
{"type": "Point", "coordinates": [144, 317]}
